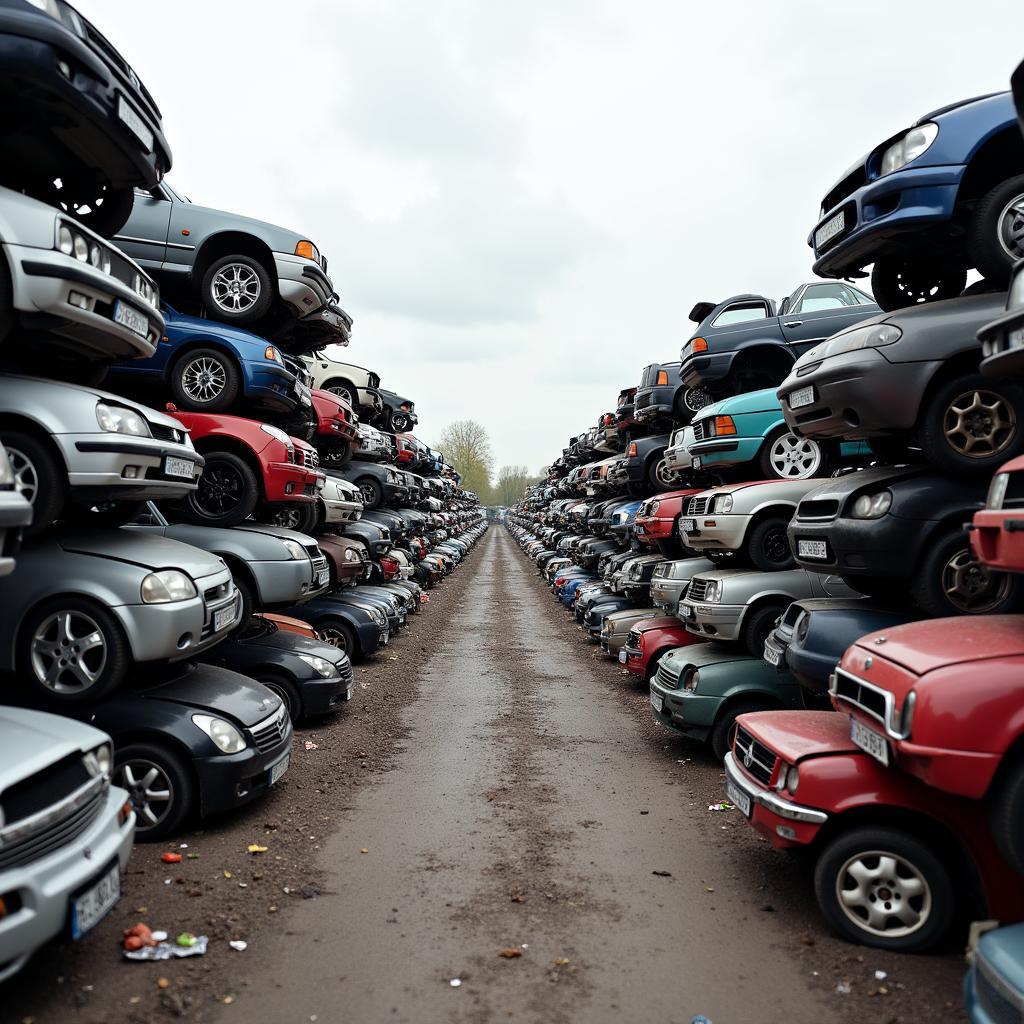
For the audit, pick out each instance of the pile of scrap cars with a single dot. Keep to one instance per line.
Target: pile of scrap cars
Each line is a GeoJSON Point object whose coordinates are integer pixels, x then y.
{"type": "Point", "coordinates": [804, 536]}
{"type": "Point", "coordinates": [205, 519]}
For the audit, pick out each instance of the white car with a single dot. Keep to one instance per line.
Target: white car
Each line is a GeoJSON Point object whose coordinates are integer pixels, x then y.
{"type": "Point", "coordinates": [357, 385]}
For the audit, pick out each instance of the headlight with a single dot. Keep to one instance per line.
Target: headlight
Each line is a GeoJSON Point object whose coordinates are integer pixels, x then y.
{"type": "Point", "coordinates": [1015, 296]}
{"type": "Point", "coordinates": [872, 506]}
{"type": "Point", "coordinates": [295, 549]}
{"type": "Point", "coordinates": [66, 15]}
{"type": "Point", "coordinates": [144, 289]}
{"type": "Point", "coordinates": [273, 355]}
{"type": "Point", "coordinates": [116, 419]}
{"type": "Point", "coordinates": [691, 679]}
{"type": "Point", "coordinates": [166, 586]}
{"type": "Point", "coordinates": [877, 336]}
{"type": "Point", "coordinates": [321, 666]}
{"type": "Point", "coordinates": [276, 433]}
{"type": "Point", "coordinates": [722, 503]}
{"type": "Point", "coordinates": [99, 761]}
{"type": "Point", "coordinates": [997, 491]}
{"type": "Point", "coordinates": [909, 148]}
{"type": "Point", "coordinates": [227, 738]}
{"type": "Point", "coordinates": [713, 594]}
{"type": "Point", "coordinates": [802, 626]}
{"type": "Point", "coordinates": [789, 778]}
{"type": "Point", "coordinates": [379, 617]}
{"type": "Point", "coordinates": [350, 555]}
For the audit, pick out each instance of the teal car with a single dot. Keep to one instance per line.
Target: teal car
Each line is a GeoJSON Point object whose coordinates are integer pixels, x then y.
{"type": "Point", "coordinates": [750, 428]}
{"type": "Point", "coordinates": [700, 690]}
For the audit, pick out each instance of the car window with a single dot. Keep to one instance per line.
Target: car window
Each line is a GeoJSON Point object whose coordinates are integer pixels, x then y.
{"type": "Point", "coordinates": [819, 297]}
{"type": "Point", "coordinates": [740, 313]}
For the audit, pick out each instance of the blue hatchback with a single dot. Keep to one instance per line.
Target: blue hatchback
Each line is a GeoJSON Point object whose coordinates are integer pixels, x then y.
{"type": "Point", "coordinates": [208, 366]}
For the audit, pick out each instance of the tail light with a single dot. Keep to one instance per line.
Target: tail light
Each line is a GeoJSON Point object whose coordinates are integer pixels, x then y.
{"type": "Point", "coordinates": [724, 425]}
{"type": "Point", "coordinates": [631, 450]}
{"type": "Point", "coordinates": [662, 376]}
{"type": "Point", "coordinates": [699, 345]}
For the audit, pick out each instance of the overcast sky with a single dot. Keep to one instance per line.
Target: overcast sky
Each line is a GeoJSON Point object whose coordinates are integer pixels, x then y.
{"type": "Point", "coordinates": [520, 202]}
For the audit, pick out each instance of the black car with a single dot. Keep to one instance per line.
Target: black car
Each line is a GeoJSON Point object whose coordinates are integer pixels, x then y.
{"type": "Point", "coordinates": [376, 538]}
{"type": "Point", "coordinates": [379, 484]}
{"type": "Point", "coordinates": [358, 630]}
{"type": "Point", "coordinates": [398, 414]}
{"type": "Point", "coordinates": [893, 531]}
{"type": "Point", "coordinates": [663, 398]}
{"type": "Point", "coordinates": [311, 677]}
{"type": "Point", "coordinates": [74, 113]}
{"type": "Point", "coordinates": [643, 465]}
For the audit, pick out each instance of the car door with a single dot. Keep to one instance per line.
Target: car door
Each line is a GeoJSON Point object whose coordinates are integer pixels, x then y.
{"type": "Point", "coordinates": [144, 235]}
{"type": "Point", "coordinates": [816, 311]}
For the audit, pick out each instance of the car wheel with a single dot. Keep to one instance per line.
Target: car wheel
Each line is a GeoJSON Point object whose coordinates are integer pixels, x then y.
{"type": "Point", "coordinates": [725, 723]}
{"type": "Point", "coordinates": [341, 635]}
{"type": "Point", "coordinates": [72, 649]}
{"type": "Point", "coordinates": [691, 401]}
{"type": "Point", "coordinates": [100, 208]}
{"type": "Point", "coordinates": [371, 492]}
{"type": "Point", "coordinates": [951, 581]}
{"type": "Point", "coordinates": [205, 380]}
{"type": "Point", "coordinates": [768, 546]}
{"type": "Point", "coordinates": [1006, 813]}
{"type": "Point", "coordinates": [972, 425]}
{"type": "Point", "coordinates": [287, 515]}
{"type": "Point", "coordinates": [995, 240]}
{"type": "Point", "coordinates": [237, 289]}
{"type": "Point", "coordinates": [884, 888]}
{"type": "Point", "coordinates": [227, 492]}
{"type": "Point", "coordinates": [756, 627]}
{"type": "Point", "coordinates": [336, 453]}
{"type": "Point", "coordinates": [160, 788]}
{"type": "Point", "coordinates": [39, 475]}
{"type": "Point", "coordinates": [342, 389]}
{"type": "Point", "coordinates": [400, 422]}
{"type": "Point", "coordinates": [784, 456]}
{"type": "Point", "coordinates": [309, 517]}
{"type": "Point", "coordinates": [286, 690]}
{"type": "Point", "coordinates": [660, 476]}
{"type": "Point", "coordinates": [897, 283]}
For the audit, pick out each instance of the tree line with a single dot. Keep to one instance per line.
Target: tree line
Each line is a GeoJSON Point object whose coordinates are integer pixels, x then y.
{"type": "Point", "coordinates": [466, 445]}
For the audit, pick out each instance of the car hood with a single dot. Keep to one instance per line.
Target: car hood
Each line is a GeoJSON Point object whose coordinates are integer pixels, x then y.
{"type": "Point", "coordinates": [294, 643]}
{"type": "Point", "coordinates": [217, 691]}
{"type": "Point", "coordinates": [33, 740]}
{"type": "Point", "coordinates": [841, 487]}
{"type": "Point", "coordinates": [142, 550]}
{"type": "Point", "coordinates": [207, 536]}
{"type": "Point", "coordinates": [795, 735]}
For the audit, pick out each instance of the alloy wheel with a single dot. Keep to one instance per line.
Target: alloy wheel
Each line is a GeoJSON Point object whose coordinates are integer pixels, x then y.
{"type": "Point", "coordinates": [286, 517]}
{"type": "Point", "coordinates": [203, 379]}
{"type": "Point", "coordinates": [400, 421]}
{"type": "Point", "coordinates": [68, 652]}
{"type": "Point", "coordinates": [979, 424]}
{"type": "Point", "coordinates": [26, 478]}
{"type": "Point", "coordinates": [219, 490]}
{"type": "Point", "coordinates": [367, 493]}
{"type": "Point", "coordinates": [333, 636]}
{"type": "Point", "coordinates": [1011, 228]}
{"type": "Point", "coordinates": [342, 392]}
{"type": "Point", "coordinates": [666, 477]}
{"type": "Point", "coordinates": [150, 790]}
{"type": "Point", "coordinates": [883, 894]}
{"type": "Point", "coordinates": [794, 458]}
{"type": "Point", "coordinates": [696, 398]}
{"type": "Point", "coordinates": [236, 287]}
{"type": "Point", "coordinates": [971, 586]}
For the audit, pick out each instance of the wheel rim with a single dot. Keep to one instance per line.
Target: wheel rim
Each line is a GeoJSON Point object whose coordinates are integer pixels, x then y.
{"type": "Point", "coordinates": [794, 458]}
{"type": "Point", "coordinates": [972, 587]}
{"type": "Point", "coordinates": [287, 518]}
{"type": "Point", "coordinates": [1011, 228]}
{"type": "Point", "coordinates": [26, 477]}
{"type": "Point", "coordinates": [919, 284]}
{"type": "Point", "coordinates": [219, 490]}
{"type": "Point", "coordinates": [333, 636]}
{"type": "Point", "coordinates": [400, 422]}
{"type": "Point", "coordinates": [979, 424]}
{"type": "Point", "coordinates": [664, 476]}
{"type": "Point", "coordinates": [330, 456]}
{"type": "Point", "coordinates": [68, 652]}
{"type": "Point", "coordinates": [204, 379]}
{"type": "Point", "coordinates": [150, 790]}
{"type": "Point", "coordinates": [369, 495]}
{"type": "Point", "coordinates": [776, 546]}
{"type": "Point", "coordinates": [236, 288]}
{"type": "Point", "coordinates": [342, 393]}
{"type": "Point", "coordinates": [696, 398]}
{"type": "Point", "coordinates": [883, 894]}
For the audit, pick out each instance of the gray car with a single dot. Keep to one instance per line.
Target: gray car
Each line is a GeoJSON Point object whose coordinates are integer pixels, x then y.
{"type": "Point", "coordinates": [15, 513]}
{"type": "Point", "coordinates": [74, 448]}
{"type": "Point", "coordinates": [65, 842]}
{"type": "Point", "coordinates": [83, 606]}
{"type": "Point", "coordinates": [238, 268]}
{"type": "Point", "coordinates": [670, 580]}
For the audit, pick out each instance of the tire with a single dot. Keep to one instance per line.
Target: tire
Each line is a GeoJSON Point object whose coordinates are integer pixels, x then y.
{"type": "Point", "coordinates": [971, 425]}
{"type": "Point", "coordinates": [309, 517]}
{"type": "Point", "coordinates": [291, 515]}
{"type": "Point", "coordinates": [227, 494]}
{"type": "Point", "coordinates": [400, 422]}
{"type": "Point", "coordinates": [785, 456]}
{"type": "Point", "coordinates": [335, 453]}
{"type": "Point", "coordinates": [343, 389]}
{"type": "Point", "coordinates": [286, 690]}
{"type": "Point", "coordinates": [39, 475]}
{"type": "Point", "coordinates": [8, 314]}
{"type": "Point", "coordinates": [166, 772]}
{"type": "Point", "coordinates": [995, 238]}
{"type": "Point", "coordinates": [340, 634]}
{"type": "Point", "coordinates": [371, 492]}
{"type": "Point", "coordinates": [100, 208]}
{"type": "Point", "coordinates": [767, 545]}
{"type": "Point", "coordinates": [721, 732]}
{"type": "Point", "coordinates": [246, 592]}
{"type": "Point", "coordinates": [205, 380]}
{"type": "Point", "coordinates": [72, 650]}
{"type": "Point", "coordinates": [897, 283]}
{"type": "Point", "coordinates": [922, 883]}
{"type": "Point", "coordinates": [950, 581]}
{"type": "Point", "coordinates": [756, 627]}
{"type": "Point", "coordinates": [1006, 814]}
{"type": "Point", "coordinates": [237, 290]}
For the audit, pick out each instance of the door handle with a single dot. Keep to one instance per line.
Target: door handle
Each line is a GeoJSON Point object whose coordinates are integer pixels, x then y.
{"type": "Point", "coordinates": [794, 323]}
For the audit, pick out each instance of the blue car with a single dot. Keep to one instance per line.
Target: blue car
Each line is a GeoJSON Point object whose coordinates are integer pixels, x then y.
{"type": "Point", "coordinates": [208, 366]}
{"type": "Point", "coordinates": [928, 203]}
{"type": "Point", "coordinates": [994, 986]}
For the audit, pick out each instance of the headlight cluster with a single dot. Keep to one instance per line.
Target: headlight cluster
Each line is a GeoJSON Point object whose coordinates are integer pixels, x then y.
{"type": "Point", "coordinates": [713, 594]}
{"type": "Point", "coordinates": [321, 666]}
{"type": "Point", "coordinates": [294, 548]}
{"type": "Point", "coordinates": [877, 336]}
{"type": "Point", "coordinates": [279, 435]}
{"type": "Point", "coordinates": [872, 506]}
{"type": "Point", "coordinates": [73, 242]}
{"type": "Point", "coordinates": [167, 586]}
{"type": "Point", "coordinates": [118, 419]}
{"type": "Point", "coordinates": [379, 617]}
{"type": "Point", "coordinates": [635, 571]}
{"type": "Point", "coordinates": [801, 628]}
{"type": "Point", "coordinates": [272, 353]}
{"type": "Point", "coordinates": [722, 504]}
{"type": "Point", "coordinates": [913, 144]}
{"type": "Point", "coordinates": [225, 736]}
{"type": "Point", "coordinates": [350, 555]}
{"type": "Point", "coordinates": [99, 760]}
{"type": "Point", "coordinates": [148, 292]}
{"type": "Point", "coordinates": [789, 777]}
{"type": "Point", "coordinates": [997, 491]}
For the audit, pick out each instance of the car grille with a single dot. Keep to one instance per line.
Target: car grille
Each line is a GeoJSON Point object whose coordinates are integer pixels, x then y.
{"type": "Point", "coordinates": [698, 430]}
{"type": "Point", "coordinates": [667, 677]}
{"type": "Point", "coordinates": [698, 588]}
{"type": "Point", "coordinates": [165, 433]}
{"type": "Point", "coordinates": [311, 458]}
{"type": "Point", "coordinates": [844, 189]}
{"type": "Point", "coordinates": [860, 694]}
{"type": "Point", "coordinates": [755, 757]}
{"type": "Point", "coordinates": [214, 595]}
{"type": "Point", "coordinates": [269, 733]}
{"type": "Point", "coordinates": [1001, 1003]}
{"type": "Point", "coordinates": [318, 564]}
{"type": "Point", "coordinates": [818, 509]}
{"type": "Point", "coordinates": [345, 671]}
{"type": "Point", "coordinates": [698, 506]}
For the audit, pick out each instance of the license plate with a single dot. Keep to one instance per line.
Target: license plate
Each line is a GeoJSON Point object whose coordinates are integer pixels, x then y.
{"type": "Point", "coordinates": [323, 577]}
{"type": "Point", "coordinates": [89, 908]}
{"type": "Point", "coordinates": [871, 742]}
{"type": "Point", "coordinates": [623, 656]}
{"type": "Point", "coordinates": [657, 701]}
{"type": "Point", "coordinates": [798, 399]}
{"type": "Point", "coordinates": [738, 798]}
{"type": "Point", "coordinates": [185, 468]}
{"type": "Point", "coordinates": [688, 525]}
{"type": "Point", "coordinates": [695, 462]}
{"type": "Point", "coordinates": [129, 116]}
{"type": "Point", "coordinates": [811, 549]}
{"type": "Point", "coordinates": [277, 770]}
{"type": "Point", "coordinates": [772, 656]}
{"type": "Point", "coordinates": [687, 611]}
{"type": "Point", "coordinates": [832, 227]}
{"type": "Point", "coordinates": [128, 316]}
{"type": "Point", "coordinates": [223, 618]}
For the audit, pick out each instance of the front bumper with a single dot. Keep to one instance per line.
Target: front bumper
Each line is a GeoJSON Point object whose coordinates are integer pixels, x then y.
{"type": "Point", "coordinates": [998, 539]}
{"type": "Point", "coordinates": [654, 529]}
{"type": "Point", "coordinates": [697, 371]}
{"type": "Point", "coordinates": [1002, 345]}
{"type": "Point", "coordinates": [282, 583]}
{"type": "Point", "coordinates": [713, 621]}
{"type": "Point", "coordinates": [684, 712]}
{"type": "Point", "coordinates": [725, 534]}
{"type": "Point", "coordinates": [270, 385]}
{"type": "Point", "coordinates": [886, 547]}
{"type": "Point", "coordinates": [342, 511]}
{"type": "Point", "coordinates": [284, 481]}
{"type": "Point", "coordinates": [322, 696]}
{"type": "Point", "coordinates": [678, 459]}
{"type": "Point", "coordinates": [725, 451]}
{"type": "Point", "coordinates": [654, 403]}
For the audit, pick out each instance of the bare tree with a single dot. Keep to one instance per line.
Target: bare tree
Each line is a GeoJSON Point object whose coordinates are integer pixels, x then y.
{"type": "Point", "coordinates": [511, 482]}
{"type": "Point", "coordinates": [467, 447]}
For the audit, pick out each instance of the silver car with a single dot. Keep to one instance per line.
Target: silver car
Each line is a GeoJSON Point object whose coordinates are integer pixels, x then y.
{"type": "Point", "coordinates": [340, 501]}
{"type": "Point", "coordinates": [65, 842]}
{"type": "Point", "coordinates": [677, 455]}
{"type": "Point", "coordinates": [629, 579]}
{"type": "Point", "coordinates": [15, 513]}
{"type": "Point", "coordinates": [670, 580]}
{"type": "Point", "coordinates": [742, 605]}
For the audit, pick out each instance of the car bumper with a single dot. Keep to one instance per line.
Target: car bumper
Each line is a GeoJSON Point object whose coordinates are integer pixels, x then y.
{"type": "Point", "coordinates": [44, 887]}
{"type": "Point", "coordinates": [322, 696]}
{"type": "Point", "coordinates": [852, 546]}
{"type": "Point", "coordinates": [725, 451]}
{"type": "Point", "coordinates": [271, 386]}
{"type": "Point", "coordinates": [667, 597]}
{"type": "Point", "coordinates": [1002, 344]}
{"type": "Point", "coordinates": [684, 712]}
{"type": "Point", "coordinates": [341, 511]}
{"type": "Point", "coordinates": [281, 583]}
{"type": "Point", "coordinates": [714, 621]}
{"type": "Point", "coordinates": [654, 529]}
{"type": "Point", "coordinates": [726, 534]}
{"type": "Point", "coordinates": [678, 459]}
{"type": "Point", "coordinates": [998, 539]}
{"type": "Point", "coordinates": [228, 780]}
{"type": "Point", "coordinates": [654, 404]}
{"type": "Point", "coordinates": [696, 371]}
{"type": "Point", "coordinates": [283, 481]}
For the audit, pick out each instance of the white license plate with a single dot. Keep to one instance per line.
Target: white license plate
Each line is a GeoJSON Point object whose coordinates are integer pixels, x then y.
{"type": "Point", "coordinates": [223, 618]}
{"type": "Point", "coordinates": [812, 549]}
{"type": "Point", "coordinates": [798, 399]}
{"type": "Point", "coordinates": [738, 798]}
{"type": "Point", "coordinates": [772, 656]}
{"type": "Point", "coordinates": [88, 909]}
{"type": "Point", "coordinates": [623, 656]}
{"type": "Point", "coordinates": [185, 468]}
{"type": "Point", "coordinates": [323, 577]}
{"type": "Point", "coordinates": [832, 227]}
{"type": "Point", "coordinates": [128, 316]}
{"type": "Point", "coordinates": [657, 701]}
{"type": "Point", "coordinates": [871, 742]}
{"type": "Point", "coordinates": [695, 462]}
{"type": "Point", "coordinates": [688, 525]}
{"type": "Point", "coordinates": [687, 611]}
{"type": "Point", "coordinates": [277, 770]}
{"type": "Point", "coordinates": [128, 114]}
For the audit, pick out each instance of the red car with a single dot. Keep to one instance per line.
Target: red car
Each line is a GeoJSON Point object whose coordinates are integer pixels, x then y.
{"type": "Point", "coordinates": [336, 427]}
{"type": "Point", "coordinates": [896, 861]}
{"type": "Point", "coordinates": [649, 639]}
{"type": "Point", "coordinates": [248, 465]}
{"type": "Point", "coordinates": [655, 523]}
{"type": "Point", "coordinates": [997, 534]}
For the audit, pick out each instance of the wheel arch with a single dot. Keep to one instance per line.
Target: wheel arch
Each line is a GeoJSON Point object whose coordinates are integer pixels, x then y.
{"type": "Point", "coordinates": [988, 165]}
{"type": "Point", "coordinates": [30, 425]}
{"type": "Point", "coordinates": [227, 243]}
{"type": "Point", "coordinates": [167, 739]}
{"type": "Point", "coordinates": [214, 443]}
